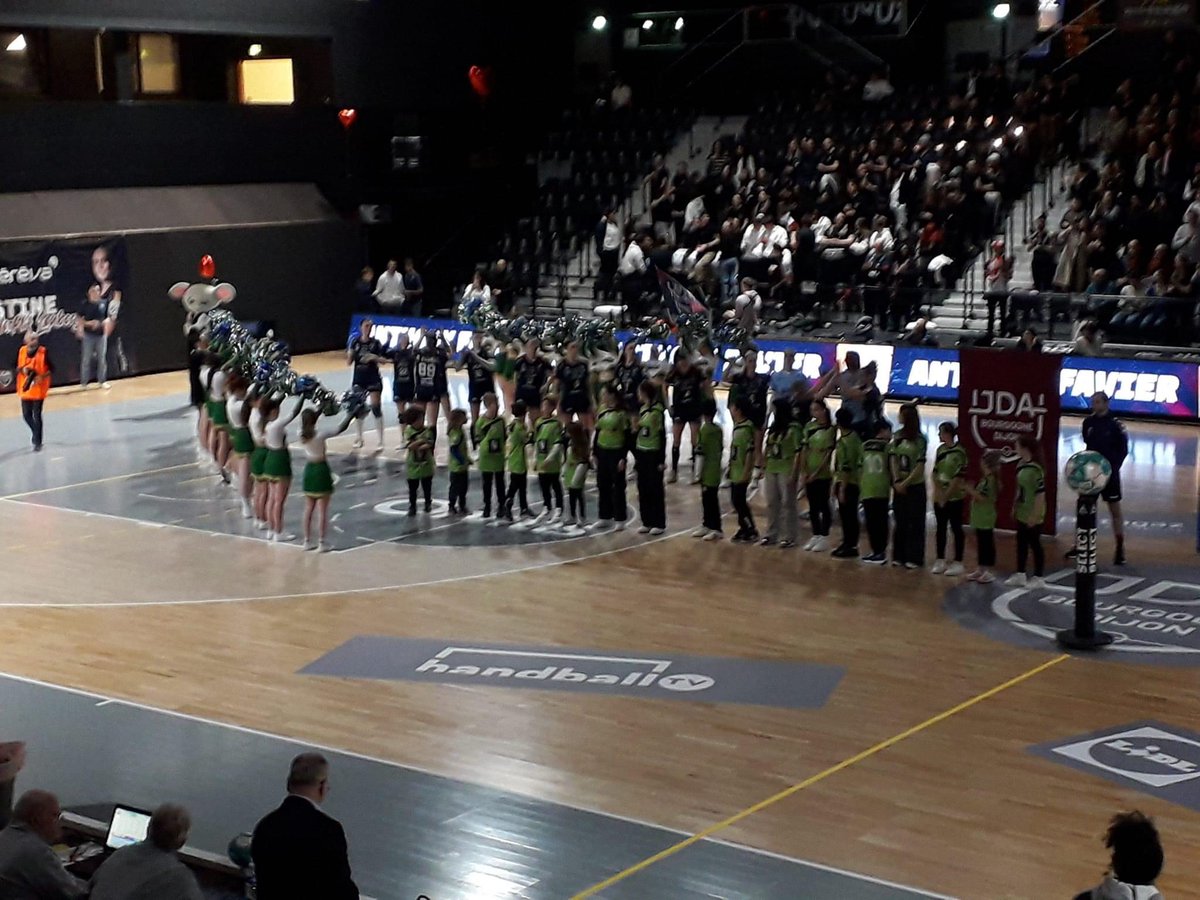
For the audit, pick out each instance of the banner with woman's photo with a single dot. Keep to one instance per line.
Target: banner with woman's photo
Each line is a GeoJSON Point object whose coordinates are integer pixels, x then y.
{"type": "Point", "coordinates": [74, 294]}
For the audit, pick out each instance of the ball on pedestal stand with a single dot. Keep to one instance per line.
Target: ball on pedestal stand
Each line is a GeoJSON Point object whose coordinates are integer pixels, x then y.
{"type": "Point", "coordinates": [1086, 472]}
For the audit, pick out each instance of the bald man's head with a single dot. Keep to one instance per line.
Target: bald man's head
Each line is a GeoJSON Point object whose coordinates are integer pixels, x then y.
{"type": "Point", "coordinates": [39, 812]}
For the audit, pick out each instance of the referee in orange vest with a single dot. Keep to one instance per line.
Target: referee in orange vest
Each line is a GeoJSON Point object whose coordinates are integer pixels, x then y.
{"type": "Point", "coordinates": [33, 383]}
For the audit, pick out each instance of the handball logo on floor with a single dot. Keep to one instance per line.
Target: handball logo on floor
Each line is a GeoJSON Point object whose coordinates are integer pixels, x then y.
{"type": "Point", "coordinates": [1152, 617]}
{"type": "Point", "coordinates": [1160, 759]}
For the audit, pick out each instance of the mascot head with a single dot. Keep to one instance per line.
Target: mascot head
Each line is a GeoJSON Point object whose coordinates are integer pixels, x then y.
{"type": "Point", "coordinates": [202, 298]}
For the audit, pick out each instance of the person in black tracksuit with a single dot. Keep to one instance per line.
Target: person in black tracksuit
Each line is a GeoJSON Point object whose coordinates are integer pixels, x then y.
{"type": "Point", "coordinates": [1105, 433]}
{"type": "Point", "coordinates": [650, 450]}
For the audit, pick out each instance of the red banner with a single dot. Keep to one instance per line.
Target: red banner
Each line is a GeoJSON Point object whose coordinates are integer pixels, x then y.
{"type": "Point", "coordinates": [1003, 395]}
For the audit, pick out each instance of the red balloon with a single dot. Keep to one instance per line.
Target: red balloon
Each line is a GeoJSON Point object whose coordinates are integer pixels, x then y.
{"type": "Point", "coordinates": [481, 80]}
{"type": "Point", "coordinates": [208, 267]}
{"type": "Point", "coordinates": [347, 117]}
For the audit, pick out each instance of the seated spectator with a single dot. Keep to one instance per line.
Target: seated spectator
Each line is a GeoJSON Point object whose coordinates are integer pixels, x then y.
{"type": "Point", "coordinates": [919, 333]}
{"type": "Point", "coordinates": [298, 850]}
{"type": "Point", "coordinates": [1135, 861]}
{"type": "Point", "coordinates": [150, 870]}
{"type": "Point", "coordinates": [1089, 341]}
{"type": "Point", "coordinates": [29, 867]}
{"type": "Point", "coordinates": [1029, 342]}
{"type": "Point", "coordinates": [1186, 242]}
{"type": "Point", "coordinates": [747, 306]}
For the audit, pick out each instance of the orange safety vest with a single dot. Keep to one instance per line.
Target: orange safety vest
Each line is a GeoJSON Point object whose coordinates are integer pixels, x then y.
{"type": "Point", "coordinates": [40, 386]}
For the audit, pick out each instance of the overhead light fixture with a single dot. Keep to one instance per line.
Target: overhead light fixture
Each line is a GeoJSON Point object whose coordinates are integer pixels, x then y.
{"type": "Point", "coordinates": [599, 23]}
{"type": "Point", "coordinates": [1018, 131]}
{"type": "Point", "coordinates": [647, 24]}
{"type": "Point", "coordinates": [998, 143]}
{"type": "Point", "coordinates": [1001, 11]}
{"type": "Point", "coordinates": [255, 50]}
{"type": "Point", "coordinates": [17, 44]}
{"type": "Point", "coordinates": [679, 24]}
{"type": "Point", "coordinates": [960, 146]}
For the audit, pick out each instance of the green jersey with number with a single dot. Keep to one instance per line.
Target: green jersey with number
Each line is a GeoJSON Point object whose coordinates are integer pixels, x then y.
{"type": "Point", "coordinates": [983, 506]}
{"type": "Point", "coordinates": [1031, 482]}
{"type": "Point", "coordinates": [489, 437]}
{"type": "Point", "coordinates": [875, 482]}
{"type": "Point", "coordinates": [575, 469]}
{"type": "Point", "coordinates": [741, 453]}
{"type": "Point", "coordinates": [909, 457]}
{"type": "Point", "coordinates": [818, 450]}
{"type": "Point", "coordinates": [848, 459]}
{"type": "Point", "coordinates": [781, 448]}
{"type": "Point", "coordinates": [419, 462]}
{"type": "Point", "coordinates": [950, 463]}
{"type": "Point", "coordinates": [612, 429]}
{"type": "Point", "coordinates": [651, 435]}
{"type": "Point", "coordinates": [710, 446]}
{"type": "Point", "coordinates": [518, 440]}
{"type": "Point", "coordinates": [547, 445]}
{"type": "Point", "coordinates": [458, 444]}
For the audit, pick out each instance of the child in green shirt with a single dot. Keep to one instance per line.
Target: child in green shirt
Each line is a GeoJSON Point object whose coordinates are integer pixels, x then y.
{"type": "Point", "coordinates": [741, 470]}
{"type": "Point", "coordinates": [875, 490]}
{"type": "Point", "coordinates": [847, 472]}
{"type": "Point", "coordinates": [817, 468]}
{"type": "Point", "coordinates": [983, 515]}
{"type": "Point", "coordinates": [909, 449]}
{"type": "Point", "coordinates": [489, 438]}
{"type": "Point", "coordinates": [949, 484]}
{"type": "Point", "coordinates": [575, 471]}
{"type": "Point", "coordinates": [419, 440]}
{"type": "Point", "coordinates": [459, 462]}
{"type": "Point", "coordinates": [548, 460]}
{"type": "Point", "coordinates": [650, 451]}
{"type": "Point", "coordinates": [782, 451]}
{"type": "Point", "coordinates": [710, 444]}
{"type": "Point", "coordinates": [515, 460]}
{"type": "Point", "coordinates": [611, 447]}
{"type": "Point", "coordinates": [1029, 509]}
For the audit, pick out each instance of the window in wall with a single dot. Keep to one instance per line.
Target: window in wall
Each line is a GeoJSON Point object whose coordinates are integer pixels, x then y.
{"type": "Point", "coordinates": [266, 81]}
{"type": "Point", "coordinates": [157, 64]}
{"type": "Point", "coordinates": [17, 73]}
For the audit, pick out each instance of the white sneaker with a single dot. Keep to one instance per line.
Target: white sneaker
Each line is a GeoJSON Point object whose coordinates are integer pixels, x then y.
{"type": "Point", "coordinates": [657, 531]}
{"type": "Point", "coordinates": [713, 536]}
{"type": "Point", "coordinates": [700, 532]}
{"type": "Point", "coordinates": [645, 529]}
{"type": "Point", "coordinates": [1017, 579]}
{"type": "Point", "coordinates": [270, 535]}
{"type": "Point", "coordinates": [247, 510]}
{"type": "Point", "coordinates": [599, 525]}
{"type": "Point", "coordinates": [568, 523]}
{"type": "Point", "coordinates": [938, 568]}
{"type": "Point", "coordinates": [260, 525]}
{"type": "Point", "coordinates": [954, 570]}
{"type": "Point", "coordinates": [310, 545]}
{"type": "Point", "coordinates": [986, 577]}
{"type": "Point", "coordinates": [619, 526]}
{"type": "Point", "coordinates": [556, 515]}
{"type": "Point", "coordinates": [326, 546]}
{"type": "Point", "coordinates": [107, 386]}
{"type": "Point", "coordinates": [811, 543]}
{"type": "Point", "coordinates": [1034, 582]}
{"type": "Point", "coordinates": [821, 545]}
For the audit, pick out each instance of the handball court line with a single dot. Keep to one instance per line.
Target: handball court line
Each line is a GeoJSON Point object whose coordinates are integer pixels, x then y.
{"type": "Point", "coordinates": [717, 827]}
{"type": "Point", "coordinates": [106, 700]}
{"type": "Point", "coordinates": [106, 480]}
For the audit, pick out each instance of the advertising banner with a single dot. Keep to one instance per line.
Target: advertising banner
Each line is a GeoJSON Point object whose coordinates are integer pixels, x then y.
{"type": "Point", "coordinates": [1157, 14]}
{"type": "Point", "coordinates": [44, 284]}
{"type": "Point", "coordinates": [886, 19]}
{"type": "Point", "coordinates": [999, 404]}
{"type": "Point", "coordinates": [1158, 389]}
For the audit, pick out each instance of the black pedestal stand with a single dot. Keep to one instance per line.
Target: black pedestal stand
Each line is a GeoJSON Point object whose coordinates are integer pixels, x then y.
{"type": "Point", "coordinates": [1084, 635]}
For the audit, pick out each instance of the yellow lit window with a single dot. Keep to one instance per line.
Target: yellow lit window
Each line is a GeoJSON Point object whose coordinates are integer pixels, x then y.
{"type": "Point", "coordinates": [158, 64]}
{"type": "Point", "coordinates": [266, 81]}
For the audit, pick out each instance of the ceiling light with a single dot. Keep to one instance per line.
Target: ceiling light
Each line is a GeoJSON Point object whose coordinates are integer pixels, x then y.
{"type": "Point", "coordinates": [679, 24]}
{"type": "Point", "coordinates": [599, 23]}
{"type": "Point", "coordinates": [647, 24]}
{"type": "Point", "coordinates": [255, 50]}
{"type": "Point", "coordinates": [1001, 11]}
{"type": "Point", "coordinates": [17, 44]}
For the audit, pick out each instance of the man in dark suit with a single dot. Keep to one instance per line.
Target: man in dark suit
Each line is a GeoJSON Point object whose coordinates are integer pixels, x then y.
{"type": "Point", "coordinates": [299, 851]}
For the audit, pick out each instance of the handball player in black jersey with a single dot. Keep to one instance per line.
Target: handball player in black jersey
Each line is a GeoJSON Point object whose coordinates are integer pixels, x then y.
{"type": "Point", "coordinates": [532, 373]}
{"type": "Point", "coordinates": [365, 354]}
{"type": "Point", "coordinates": [573, 379]}
{"type": "Point", "coordinates": [688, 391]}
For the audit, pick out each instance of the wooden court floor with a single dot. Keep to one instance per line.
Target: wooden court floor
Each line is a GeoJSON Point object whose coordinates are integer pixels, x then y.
{"type": "Point", "coordinates": [917, 769]}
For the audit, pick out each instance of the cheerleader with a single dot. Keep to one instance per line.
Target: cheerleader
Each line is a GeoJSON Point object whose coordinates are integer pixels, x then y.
{"type": "Point", "coordinates": [572, 383]}
{"type": "Point", "coordinates": [203, 423]}
{"type": "Point", "coordinates": [949, 492]}
{"type": "Point", "coordinates": [404, 381]}
{"type": "Point", "coordinates": [277, 469]}
{"type": "Point", "coordinates": [241, 445]}
{"type": "Point", "coordinates": [575, 471]}
{"type": "Point", "coordinates": [504, 364]}
{"type": "Point", "coordinates": [481, 374]}
{"type": "Point", "coordinates": [610, 446]}
{"type": "Point", "coordinates": [419, 439]}
{"type": "Point", "coordinates": [318, 478]}
{"type": "Point", "coordinates": [256, 423]}
{"type": "Point", "coordinates": [365, 354]}
{"type": "Point", "coordinates": [687, 383]}
{"type": "Point", "coordinates": [650, 452]}
{"type": "Point", "coordinates": [817, 468]}
{"type": "Point", "coordinates": [488, 434]}
{"type": "Point", "coordinates": [1029, 510]}
{"type": "Point", "coordinates": [532, 374]}
{"type": "Point", "coordinates": [218, 435]}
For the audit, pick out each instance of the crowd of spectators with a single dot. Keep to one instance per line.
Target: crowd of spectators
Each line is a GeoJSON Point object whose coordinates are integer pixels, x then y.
{"type": "Point", "coordinates": [849, 194]}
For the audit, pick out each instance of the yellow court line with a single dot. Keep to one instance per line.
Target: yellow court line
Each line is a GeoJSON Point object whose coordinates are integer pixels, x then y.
{"type": "Point", "coordinates": [820, 776]}
{"type": "Point", "coordinates": [63, 487]}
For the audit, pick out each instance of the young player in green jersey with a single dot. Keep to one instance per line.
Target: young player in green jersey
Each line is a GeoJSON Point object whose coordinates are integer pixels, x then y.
{"type": "Point", "coordinates": [741, 470]}
{"type": "Point", "coordinates": [459, 462]}
{"type": "Point", "coordinates": [515, 460]}
{"type": "Point", "coordinates": [610, 447]}
{"type": "Point", "coordinates": [419, 440]}
{"type": "Point", "coordinates": [816, 467]}
{"type": "Point", "coordinates": [489, 434]}
{"type": "Point", "coordinates": [909, 449]}
{"type": "Point", "coordinates": [782, 450]}
{"type": "Point", "coordinates": [875, 490]}
{"type": "Point", "coordinates": [650, 451]}
{"type": "Point", "coordinates": [710, 445]}
{"type": "Point", "coordinates": [575, 470]}
{"type": "Point", "coordinates": [847, 473]}
{"type": "Point", "coordinates": [548, 461]}
{"type": "Point", "coordinates": [949, 484]}
{"type": "Point", "coordinates": [1029, 509]}
{"type": "Point", "coordinates": [983, 515]}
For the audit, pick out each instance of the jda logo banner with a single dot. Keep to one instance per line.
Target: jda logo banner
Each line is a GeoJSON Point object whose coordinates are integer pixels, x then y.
{"type": "Point", "coordinates": [998, 405]}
